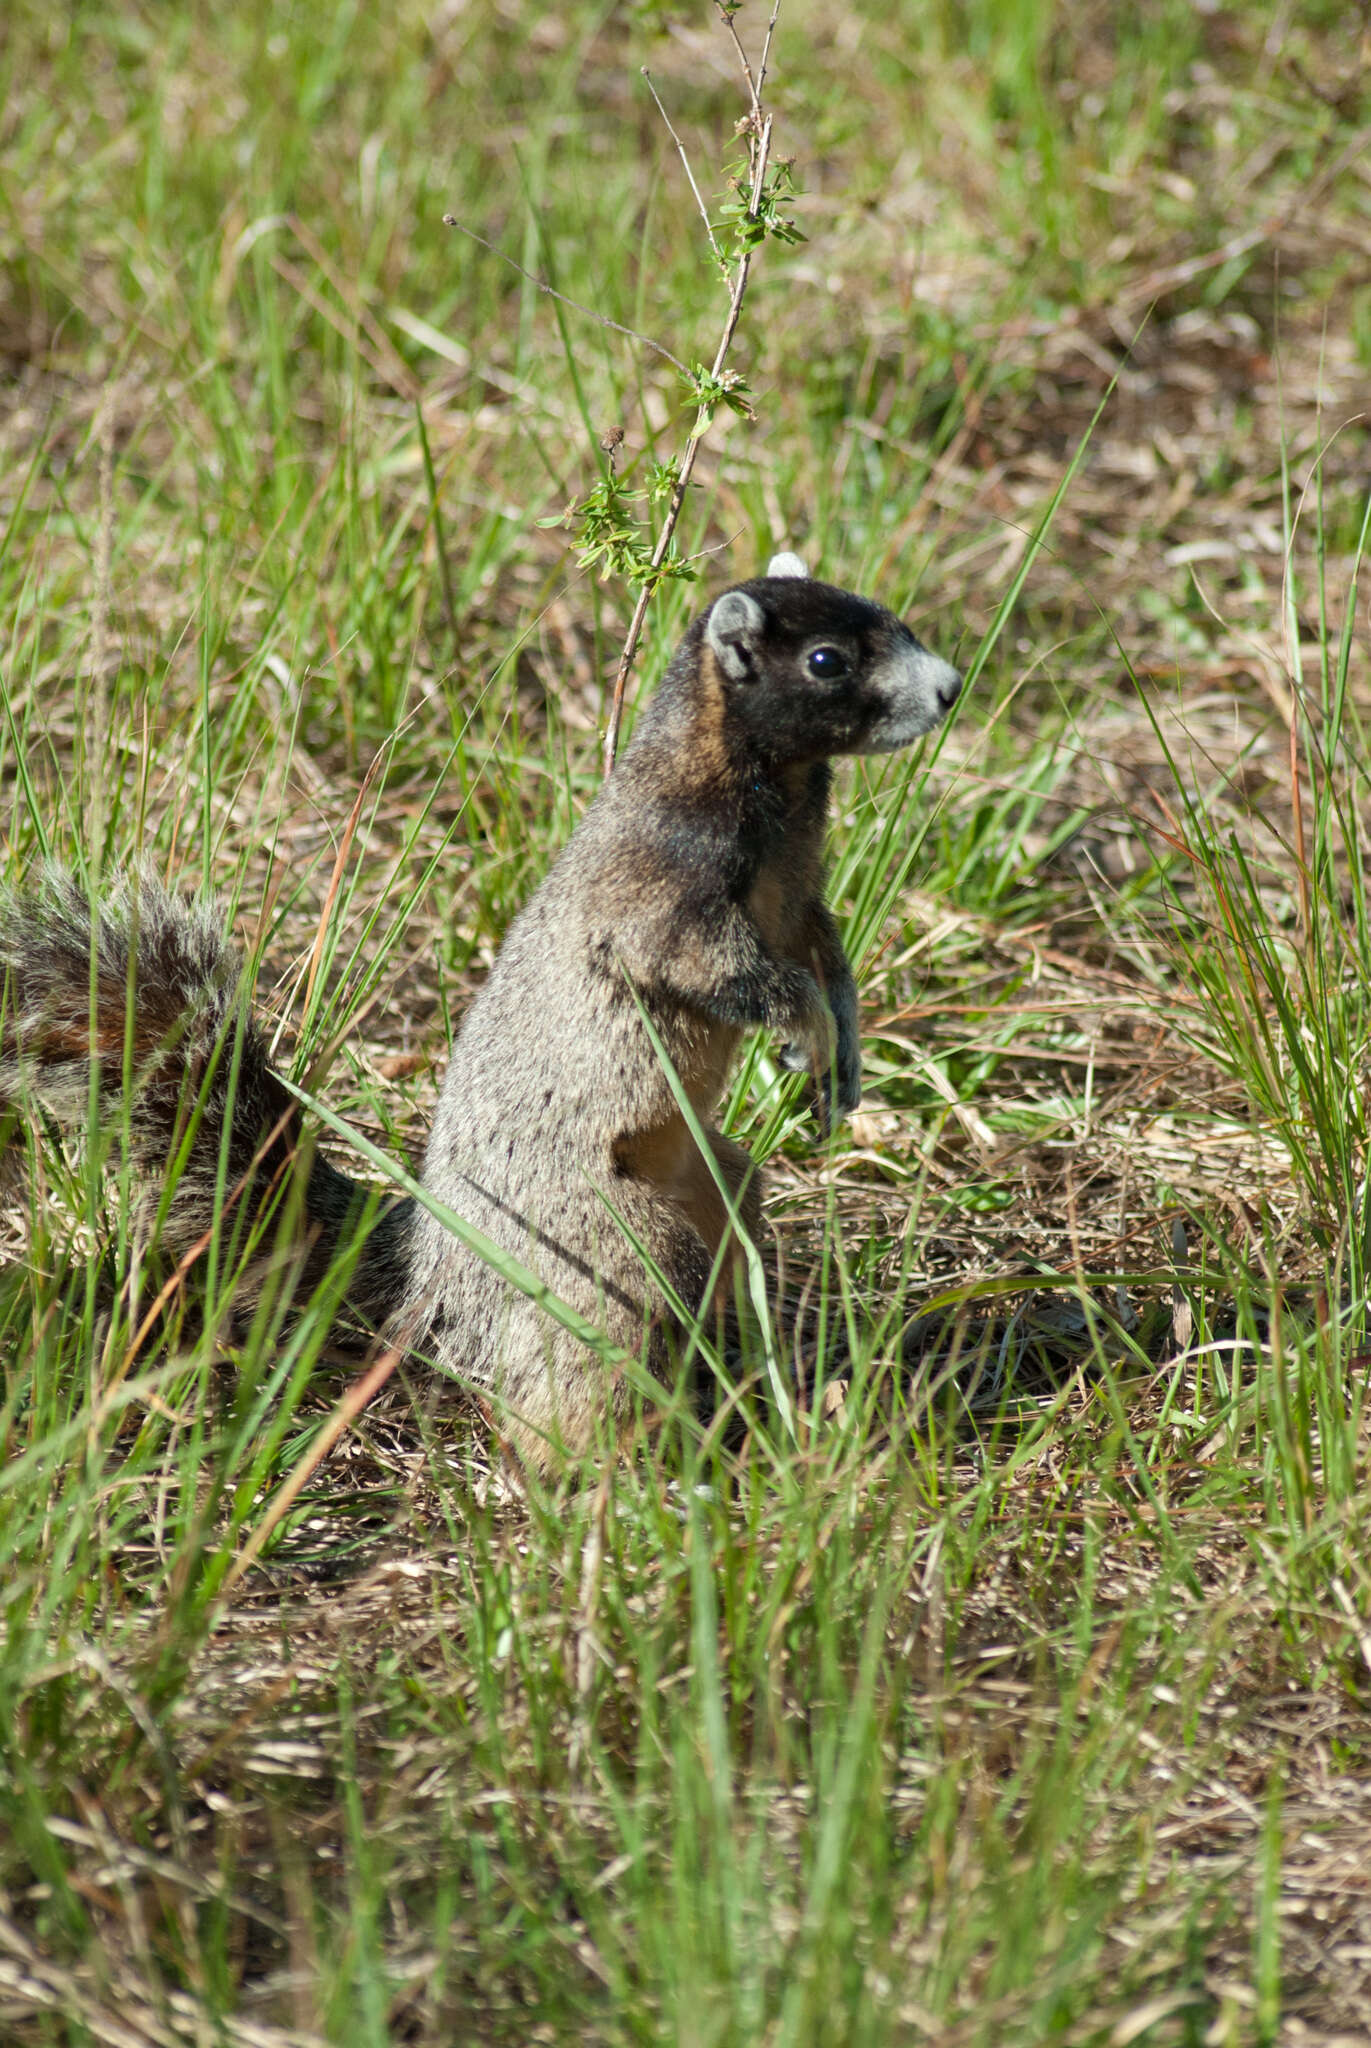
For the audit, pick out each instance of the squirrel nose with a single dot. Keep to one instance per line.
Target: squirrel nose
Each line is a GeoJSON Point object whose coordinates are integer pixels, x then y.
{"type": "Point", "coordinates": [948, 684]}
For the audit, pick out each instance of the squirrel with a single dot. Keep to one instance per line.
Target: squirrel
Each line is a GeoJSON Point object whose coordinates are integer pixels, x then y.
{"type": "Point", "coordinates": [690, 894]}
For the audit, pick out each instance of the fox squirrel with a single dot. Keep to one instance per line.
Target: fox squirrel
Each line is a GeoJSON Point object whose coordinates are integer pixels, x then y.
{"type": "Point", "coordinates": [690, 893]}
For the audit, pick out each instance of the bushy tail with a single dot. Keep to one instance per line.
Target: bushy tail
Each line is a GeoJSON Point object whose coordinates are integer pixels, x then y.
{"type": "Point", "coordinates": [150, 986]}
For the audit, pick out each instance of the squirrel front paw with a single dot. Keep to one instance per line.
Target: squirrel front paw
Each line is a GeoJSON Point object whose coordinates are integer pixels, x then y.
{"type": "Point", "coordinates": [810, 1050]}
{"type": "Point", "coordinates": [828, 1054]}
{"type": "Point", "coordinates": [794, 1057]}
{"type": "Point", "coordinates": [832, 1056]}
{"type": "Point", "coordinates": [834, 1103]}
{"type": "Point", "coordinates": [849, 1076]}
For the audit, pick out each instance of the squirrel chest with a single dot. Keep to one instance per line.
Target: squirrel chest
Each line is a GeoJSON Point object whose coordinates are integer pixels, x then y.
{"type": "Point", "coordinates": [771, 875]}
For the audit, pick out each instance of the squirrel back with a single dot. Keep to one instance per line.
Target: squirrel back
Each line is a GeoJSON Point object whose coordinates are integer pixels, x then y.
{"type": "Point", "coordinates": [690, 894]}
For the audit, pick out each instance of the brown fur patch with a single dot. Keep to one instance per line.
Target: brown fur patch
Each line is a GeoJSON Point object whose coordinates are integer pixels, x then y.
{"type": "Point", "coordinates": [771, 907]}
{"type": "Point", "coordinates": [709, 761]}
{"type": "Point", "coordinates": [667, 1159]}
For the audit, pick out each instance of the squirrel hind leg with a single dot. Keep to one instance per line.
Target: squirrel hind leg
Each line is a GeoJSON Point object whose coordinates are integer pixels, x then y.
{"type": "Point", "coordinates": [669, 1173]}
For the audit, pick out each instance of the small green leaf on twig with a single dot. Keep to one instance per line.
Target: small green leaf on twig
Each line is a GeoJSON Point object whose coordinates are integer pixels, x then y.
{"type": "Point", "coordinates": [751, 225]}
{"type": "Point", "coordinates": [611, 538]}
{"type": "Point", "coordinates": [708, 392]}
{"type": "Point", "coordinates": [662, 479]}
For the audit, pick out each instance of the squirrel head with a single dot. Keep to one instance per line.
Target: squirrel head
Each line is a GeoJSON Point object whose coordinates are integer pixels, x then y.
{"type": "Point", "coordinates": [810, 670]}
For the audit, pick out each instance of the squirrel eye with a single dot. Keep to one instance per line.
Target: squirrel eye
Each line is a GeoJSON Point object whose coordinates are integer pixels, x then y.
{"type": "Point", "coordinates": [826, 663]}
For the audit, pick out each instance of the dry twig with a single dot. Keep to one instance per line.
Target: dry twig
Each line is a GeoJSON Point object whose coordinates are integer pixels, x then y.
{"type": "Point", "coordinates": [757, 128]}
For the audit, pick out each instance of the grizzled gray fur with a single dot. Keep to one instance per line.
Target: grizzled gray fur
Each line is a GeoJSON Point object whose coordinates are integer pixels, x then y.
{"type": "Point", "coordinates": [692, 887]}
{"type": "Point", "coordinates": [170, 997]}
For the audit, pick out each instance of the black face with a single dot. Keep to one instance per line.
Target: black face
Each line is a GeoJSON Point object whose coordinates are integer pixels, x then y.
{"type": "Point", "coordinates": [813, 670]}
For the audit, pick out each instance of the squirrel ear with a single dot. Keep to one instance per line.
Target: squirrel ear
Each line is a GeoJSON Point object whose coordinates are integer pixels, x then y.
{"type": "Point", "coordinates": [786, 565]}
{"type": "Point", "coordinates": [734, 630]}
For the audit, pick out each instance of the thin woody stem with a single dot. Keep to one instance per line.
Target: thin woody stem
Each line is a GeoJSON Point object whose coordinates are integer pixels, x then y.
{"type": "Point", "coordinates": [752, 85]}
{"type": "Point", "coordinates": [766, 52]}
{"type": "Point", "coordinates": [450, 220]}
{"type": "Point", "coordinates": [680, 150]}
{"type": "Point", "coordinates": [755, 82]}
{"type": "Point", "coordinates": [759, 150]}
